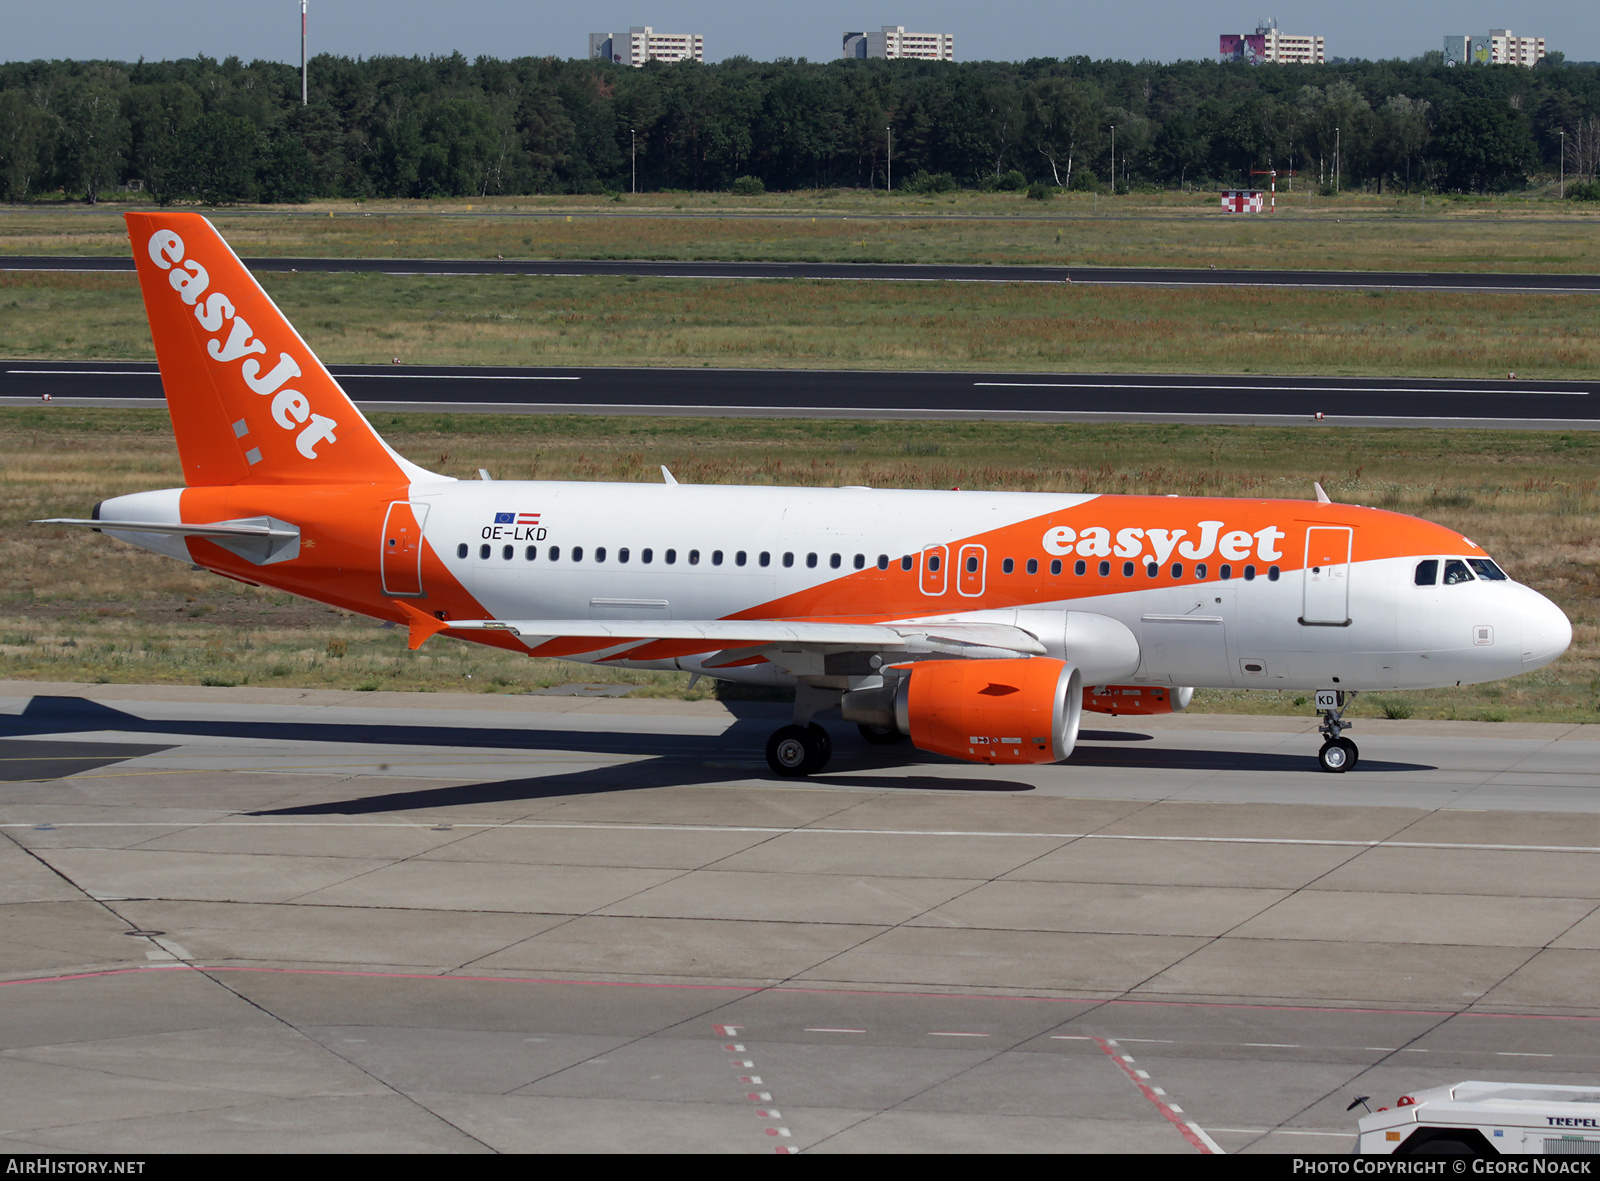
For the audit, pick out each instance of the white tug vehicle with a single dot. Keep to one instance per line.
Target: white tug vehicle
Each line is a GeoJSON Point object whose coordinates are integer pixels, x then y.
{"type": "Point", "coordinates": [1486, 1119]}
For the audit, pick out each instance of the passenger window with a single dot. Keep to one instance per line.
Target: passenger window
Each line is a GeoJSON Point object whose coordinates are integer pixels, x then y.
{"type": "Point", "coordinates": [647, 556]}
{"type": "Point", "coordinates": [1272, 574]}
{"type": "Point", "coordinates": [622, 555]}
{"type": "Point", "coordinates": [555, 553]}
{"type": "Point", "coordinates": [1033, 565]}
{"type": "Point", "coordinates": [716, 557]}
{"type": "Point", "coordinates": [740, 558]}
{"type": "Point", "coordinates": [1055, 566]}
{"type": "Point", "coordinates": [1487, 570]}
{"type": "Point", "coordinates": [906, 562]}
{"type": "Point", "coordinates": [1151, 570]}
{"type": "Point", "coordinates": [461, 550]}
{"type": "Point", "coordinates": [1249, 573]}
{"type": "Point", "coordinates": [577, 553]}
{"type": "Point", "coordinates": [694, 557]}
{"type": "Point", "coordinates": [811, 561]}
{"type": "Point", "coordinates": [1200, 570]}
{"type": "Point", "coordinates": [933, 562]}
{"type": "Point", "coordinates": [1127, 569]}
{"type": "Point", "coordinates": [883, 561]}
{"type": "Point", "coordinates": [1006, 566]}
{"type": "Point", "coordinates": [483, 552]}
{"type": "Point", "coordinates": [600, 553]}
{"type": "Point", "coordinates": [671, 557]}
{"type": "Point", "coordinates": [861, 561]}
{"type": "Point", "coordinates": [1226, 572]}
{"type": "Point", "coordinates": [1105, 569]}
{"type": "Point", "coordinates": [833, 561]}
{"type": "Point", "coordinates": [1455, 570]}
{"type": "Point", "coordinates": [506, 552]}
{"type": "Point", "coordinates": [788, 560]}
{"type": "Point", "coordinates": [1080, 567]}
{"type": "Point", "coordinates": [972, 564]}
{"type": "Point", "coordinates": [766, 558]}
{"type": "Point", "coordinates": [1177, 569]}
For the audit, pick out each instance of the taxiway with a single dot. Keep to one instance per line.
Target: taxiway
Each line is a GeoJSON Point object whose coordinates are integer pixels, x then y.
{"type": "Point", "coordinates": [251, 919]}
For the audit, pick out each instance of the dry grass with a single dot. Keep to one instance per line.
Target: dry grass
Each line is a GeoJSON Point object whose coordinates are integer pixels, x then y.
{"type": "Point", "coordinates": [76, 606]}
{"type": "Point", "coordinates": [1351, 232]}
{"type": "Point", "coordinates": [508, 320]}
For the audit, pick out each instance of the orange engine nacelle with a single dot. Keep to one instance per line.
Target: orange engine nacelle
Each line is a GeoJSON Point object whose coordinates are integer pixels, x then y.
{"type": "Point", "coordinates": [1136, 699]}
{"type": "Point", "coordinates": [993, 711]}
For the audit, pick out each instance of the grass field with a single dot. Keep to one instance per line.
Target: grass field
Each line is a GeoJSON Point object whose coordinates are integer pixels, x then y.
{"type": "Point", "coordinates": [78, 606]}
{"type": "Point", "coordinates": [1354, 231]}
{"type": "Point", "coordinates": [768, 323]}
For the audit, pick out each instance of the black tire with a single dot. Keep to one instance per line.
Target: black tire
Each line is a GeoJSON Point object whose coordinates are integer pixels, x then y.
{"type": "Point", "coordinates": [821, 748]}
{"type": "Point", "coordinates": [880, 735]}
{"type": "Point", "coordinates": [1334, 757]}
{"type": "Point", "coordinates": [790, 751]}
{"type": "Point", "coordinates": [1353, 751]}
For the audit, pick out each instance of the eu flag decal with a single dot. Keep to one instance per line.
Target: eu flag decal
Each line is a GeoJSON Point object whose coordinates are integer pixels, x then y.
{"type": "Point", "coordinates": [505, 518]}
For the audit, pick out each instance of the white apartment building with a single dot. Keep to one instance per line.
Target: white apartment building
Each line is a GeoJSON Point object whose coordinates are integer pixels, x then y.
{"type": "Point", "coordinates": [1266, 44]}
{"type": "Point", "coordinates": [1500, 48]}
{"type": "Point", "coordinates": [1290, 47]}
{"type": "Point", "coordinates": [894, 41]}
{"type": "Point", "coordinates": [645, 44]}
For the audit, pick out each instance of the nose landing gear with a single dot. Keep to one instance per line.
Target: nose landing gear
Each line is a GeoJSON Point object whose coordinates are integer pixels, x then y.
{"type": "Point", "coordinates": [1338, 753]}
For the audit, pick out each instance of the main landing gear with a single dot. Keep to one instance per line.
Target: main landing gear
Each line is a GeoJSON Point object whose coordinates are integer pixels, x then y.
{"type": "Point", "coordinates": [1338, 753]}
{"type": "Point", "coordinates": [799, 750]}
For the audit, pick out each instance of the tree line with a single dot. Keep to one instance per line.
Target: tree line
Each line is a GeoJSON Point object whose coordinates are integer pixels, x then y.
{"type": "Point", "coordinates": [220, 132]}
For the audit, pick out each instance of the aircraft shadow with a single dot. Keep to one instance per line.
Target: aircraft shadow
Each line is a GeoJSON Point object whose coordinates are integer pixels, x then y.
{"type": "Point", "coordinates": [666, 760]}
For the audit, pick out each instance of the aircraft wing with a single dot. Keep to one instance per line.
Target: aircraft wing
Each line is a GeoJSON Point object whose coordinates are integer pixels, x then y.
{"type": "Point", "coordinates": [657, 639]}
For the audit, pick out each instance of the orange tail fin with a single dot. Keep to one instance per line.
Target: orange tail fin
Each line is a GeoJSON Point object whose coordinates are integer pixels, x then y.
{"type": "Point", "coordinates": [250, 402]}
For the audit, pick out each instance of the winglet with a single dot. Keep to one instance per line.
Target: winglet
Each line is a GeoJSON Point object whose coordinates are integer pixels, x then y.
{"type": "Point", "coordinates": [667, 475]}
{"type": "Point", "coordinates": [1322, 497]}
{"type": "Point", "coordinates": [421, 623]}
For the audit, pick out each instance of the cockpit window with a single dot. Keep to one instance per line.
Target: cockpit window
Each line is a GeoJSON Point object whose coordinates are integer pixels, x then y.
{"type": "Point", "coordinates": [1455, 570]}
{"type": "Point", "coordinates": [1487, 570]}
{"type": "Point", "coordinates": [1428, 572]}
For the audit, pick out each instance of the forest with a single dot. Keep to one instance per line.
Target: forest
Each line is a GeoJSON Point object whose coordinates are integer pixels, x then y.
{"type": "Point", "coordinates": [228, 132]}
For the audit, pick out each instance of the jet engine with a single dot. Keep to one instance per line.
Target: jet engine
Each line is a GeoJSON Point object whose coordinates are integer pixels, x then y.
{"type": "Point", "coordinates": [1136, 700]}
{"type": "Point", "coordinates": [992, 711]}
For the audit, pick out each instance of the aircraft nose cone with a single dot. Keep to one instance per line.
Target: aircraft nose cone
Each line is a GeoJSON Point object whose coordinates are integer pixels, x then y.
{"type": "Point", "coordinates": [1546, 632]}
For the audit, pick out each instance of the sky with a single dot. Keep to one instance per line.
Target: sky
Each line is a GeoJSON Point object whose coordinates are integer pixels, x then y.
{"type": "Point", "coordinates": [1004, 30]}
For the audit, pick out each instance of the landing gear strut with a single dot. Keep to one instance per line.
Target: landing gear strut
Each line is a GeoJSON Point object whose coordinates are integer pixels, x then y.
{"type": "Point", "coordinates": [1338, 753]}
{"type": "Point", "coordinates": [799, 750]}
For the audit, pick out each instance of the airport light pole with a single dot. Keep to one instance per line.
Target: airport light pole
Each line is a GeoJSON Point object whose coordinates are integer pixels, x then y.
{"type": "Point", "coordinates": [633, 156]}
{"type": "Point", "coordinates": [1336, 143]}
{"type": "Point", "coordinates": [1563, 163]}
{"type": "Point", "coordinates": [888, 161]}
{"type": "Point", "coordinates": [302, 52]}
{"type": "Point", "coordinates": [1113, 159]}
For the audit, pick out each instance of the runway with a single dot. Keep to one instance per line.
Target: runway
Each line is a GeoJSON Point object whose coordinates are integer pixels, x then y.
{"type": "Point", "coordinates": [874, 272]}
{"type": "Point", "coordinates": [811, 393]}
{"type": "Point", "coordinates": [253, 920]}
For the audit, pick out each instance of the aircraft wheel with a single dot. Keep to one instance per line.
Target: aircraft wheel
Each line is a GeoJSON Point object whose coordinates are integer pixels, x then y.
{"type": "Point", "coordinates": [1334, 757]}
{"type": "Point", "coordinates": [880, 735]}
{"type": "Point", "coordinates": [1353, 751]}
{"type": "Point", "coordinates": [821, 748]}
{"type": "Point", "coordinates": [790, 751]}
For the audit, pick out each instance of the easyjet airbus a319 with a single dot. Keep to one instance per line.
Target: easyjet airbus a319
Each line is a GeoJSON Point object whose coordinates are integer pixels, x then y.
{"type": "Point", "coordinates": [978, 625]}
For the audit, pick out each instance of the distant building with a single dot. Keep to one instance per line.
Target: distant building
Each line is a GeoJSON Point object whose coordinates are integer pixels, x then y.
{"type": "Point", "coordinates": [1499, 48]}
{"type": "Point", "coordinates": [645, 44]}
{"type": "Point", "coordinates": [894, 41]}
{"type": "Point", "coordinates": [1266, 44]}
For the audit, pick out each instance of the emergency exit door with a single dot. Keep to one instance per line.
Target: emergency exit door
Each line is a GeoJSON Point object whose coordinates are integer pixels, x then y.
{"type": "Point", "coordinates": [401, 557]}
{"type": "Point", "coordinates": [1327, 576]}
